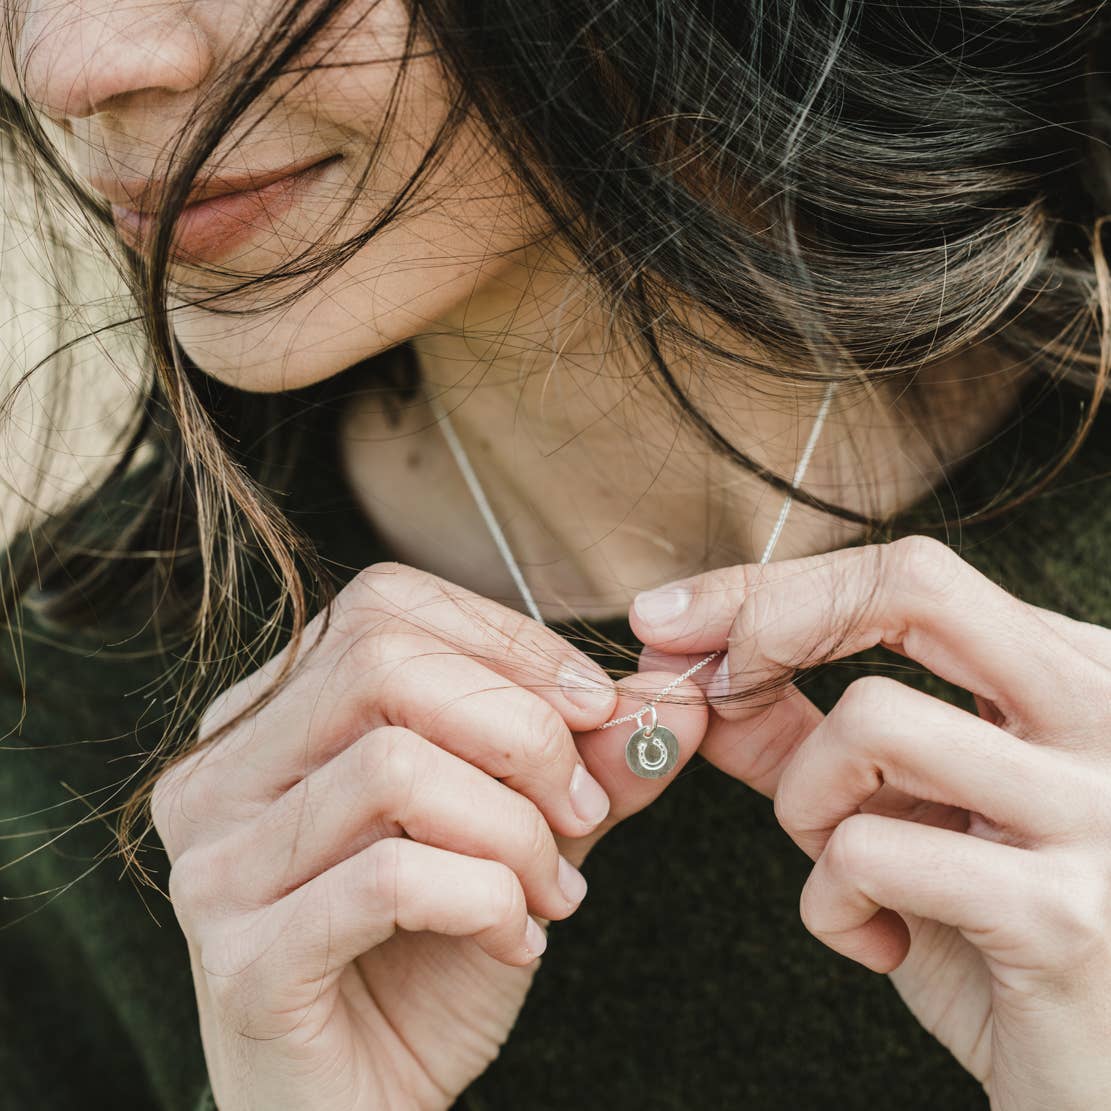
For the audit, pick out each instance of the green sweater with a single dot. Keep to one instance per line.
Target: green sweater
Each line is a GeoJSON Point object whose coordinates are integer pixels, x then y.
{"type": "Point", "coordinates": [685, 980]}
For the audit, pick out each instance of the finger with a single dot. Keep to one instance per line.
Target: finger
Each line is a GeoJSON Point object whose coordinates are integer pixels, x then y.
{"type": "Point", "coordinates": [508, 732]}
{"type": "Point", "coordinates": [756, 747]}
{"type": "Point", "coordinates": [653, 659]}
{"type": "Point", "coordinates": [761, 734]}
{"type": "Point", "coordinates": [458, 703]}
{"type": "Point", "coordinates": [1093, 640]}
{"type": "Point", "coordinates": [915, 595]}
{"type": "Point", "coordinates": [390, 598]}
{"type": "Point", "coordinates": [312, 934]}
{"type": "Point", "coordinates": [1003, 898]}
{"type": "Point", "coordinates": [683, 711]}
{"type": "Point", "coordinates": [392, 782]}
{"type": "Point", "coordinates": [882, 732]}
{"type": "Point", "coordinates": [510, 643]}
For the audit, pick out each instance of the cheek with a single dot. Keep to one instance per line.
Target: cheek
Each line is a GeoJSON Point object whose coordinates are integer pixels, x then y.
{"type": "Point", "coordinates": [418, 275]}
{"type": "Point", "coordinates": [421, 273]}
{"type": "Point", "coordinates": [465, 234]}
{"type": "Point", "coordinates": [352, 65]}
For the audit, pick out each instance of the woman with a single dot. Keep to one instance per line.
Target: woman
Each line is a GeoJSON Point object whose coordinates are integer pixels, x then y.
{"type": "Point", "coordinates": [632, 252]}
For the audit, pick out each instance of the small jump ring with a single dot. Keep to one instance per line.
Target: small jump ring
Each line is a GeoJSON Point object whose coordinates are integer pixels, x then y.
{"type": "Point", "coordinates": [647, 708]}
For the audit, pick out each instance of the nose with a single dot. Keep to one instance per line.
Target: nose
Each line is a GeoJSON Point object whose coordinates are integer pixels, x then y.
{"type": "Point", "coordinates": [80, 57]}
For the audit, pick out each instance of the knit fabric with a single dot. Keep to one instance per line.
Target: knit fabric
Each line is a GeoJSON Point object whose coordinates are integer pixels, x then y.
{"type": "Point", "coordinates": [686, 979]}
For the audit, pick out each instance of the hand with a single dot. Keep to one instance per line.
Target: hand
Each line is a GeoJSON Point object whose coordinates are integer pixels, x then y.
{"type": "Point", "coordinates": [968, 856]}
{"type": "Point", "coordinates": [354, 864]}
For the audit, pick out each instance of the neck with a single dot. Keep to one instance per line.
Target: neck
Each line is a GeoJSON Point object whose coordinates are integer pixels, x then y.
{"type": "Point", "coordinates": [599, 484]}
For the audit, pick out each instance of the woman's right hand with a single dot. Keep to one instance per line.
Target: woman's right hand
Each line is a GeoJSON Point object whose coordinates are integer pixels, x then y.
{"type": "Point", "coordinates": [355, 865]}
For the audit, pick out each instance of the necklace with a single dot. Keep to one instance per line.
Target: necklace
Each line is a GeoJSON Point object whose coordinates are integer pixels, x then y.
{"type": "Point", "coordinates": [664, 745]}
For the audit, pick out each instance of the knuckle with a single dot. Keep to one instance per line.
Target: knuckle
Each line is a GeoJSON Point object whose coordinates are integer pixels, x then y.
{"type": "Point", "coordinates": [164, 797]}
{"type": "Point", "coordinates": [538, 836]}
{"type": "Point", "coordinates": [755, 611]}
{"type": "Point", "coordinates": [783, 803]}
{"type": "Point", "coordinates": [383, 584]}
{"type": "Point", "coordinates": [921, 563]}
{"type": "Point", "coordinates": [213, 714]}
{"type": "Point", "coordinates": [215, 725]}
{"type": "Point", "coordinates": [731, 584]}
{"type": "Point", "coordinates": [374, 663]}
{"type": "Point", "coordinates": [222, 708]}
{"type": "Point", "coordinates": [546, 737]}
{"type": "Point", "coordinates": [850, 846]}
{"type": "Point", "coordinates": [194, 878]}
{"type": "Point", "coordinates": [385, 575]}
{"type": "Point", "coordinates": [381, 876]}
{"type": "Point", "coordinates": [810, 908]}
{"type": "Point", "coordinates": [506, 898]}
{"type": "Point", "coordinates": [866, 700]}
{"type": "Point", "coordinates": [392, 757]}
{"type": "Point", "coordinates": [168, 810]}
{"type": "Point", "coordinates": [369, 648]}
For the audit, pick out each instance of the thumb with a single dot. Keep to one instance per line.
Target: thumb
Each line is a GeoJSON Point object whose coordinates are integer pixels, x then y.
{"type": "Point", "coordinates": [761, 732]}
{"type": "Point", "coordinates": [603, 751]}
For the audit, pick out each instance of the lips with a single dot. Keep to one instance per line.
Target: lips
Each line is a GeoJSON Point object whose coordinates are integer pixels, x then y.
{"type": "Point", "coordinates": [224, 217]}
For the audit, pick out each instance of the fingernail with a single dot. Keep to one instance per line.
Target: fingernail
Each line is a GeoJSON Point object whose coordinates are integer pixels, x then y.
{"type": "Point", "coordinates": [571, 882]}
{"type": "Point", "coordinates": [719, 682]}
{"type": "Point", "coordinates": [662, 605]}
{"type": "Point", "coordinates": [589, 801]}
{"type": "Point", "coordinates": [588, 692]}
{"type": "Point", "coordinates": [536, 941]}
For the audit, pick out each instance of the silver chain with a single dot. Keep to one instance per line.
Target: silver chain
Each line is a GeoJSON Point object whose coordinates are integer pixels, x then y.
{"type": "Point", "coordinates": [483, 504]}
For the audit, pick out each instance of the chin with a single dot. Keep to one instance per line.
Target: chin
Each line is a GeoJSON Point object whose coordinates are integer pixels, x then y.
{"type": "Point", "coordinates": [374, 303]}
{"type": "Point", "coordinates": [270, 352]}
{"type": "Point", "coordinates": [244, 366]}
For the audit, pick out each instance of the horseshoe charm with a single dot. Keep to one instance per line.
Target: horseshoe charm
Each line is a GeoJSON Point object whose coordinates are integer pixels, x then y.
{"type": "Point", "coordinates": [652, 751]}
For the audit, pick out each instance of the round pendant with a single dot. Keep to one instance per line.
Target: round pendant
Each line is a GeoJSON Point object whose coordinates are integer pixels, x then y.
{"type": "Point", "coordinates": [651, 757]}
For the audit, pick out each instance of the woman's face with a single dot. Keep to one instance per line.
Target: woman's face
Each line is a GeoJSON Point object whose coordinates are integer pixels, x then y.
{"type": "Point", "coordinates": [119, 79]}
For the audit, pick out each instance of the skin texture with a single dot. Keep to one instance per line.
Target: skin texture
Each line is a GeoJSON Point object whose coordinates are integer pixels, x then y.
{"type": "Point", "coordinates": [603, 493]}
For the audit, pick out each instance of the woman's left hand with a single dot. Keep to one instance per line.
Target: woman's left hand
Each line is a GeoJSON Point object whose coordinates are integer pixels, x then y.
{"type": "Point", "coordinates": [969, 857]}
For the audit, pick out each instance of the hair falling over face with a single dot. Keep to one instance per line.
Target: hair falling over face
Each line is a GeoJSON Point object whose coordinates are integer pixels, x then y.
{"type": "Point", "coordinates": [858, 190]}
